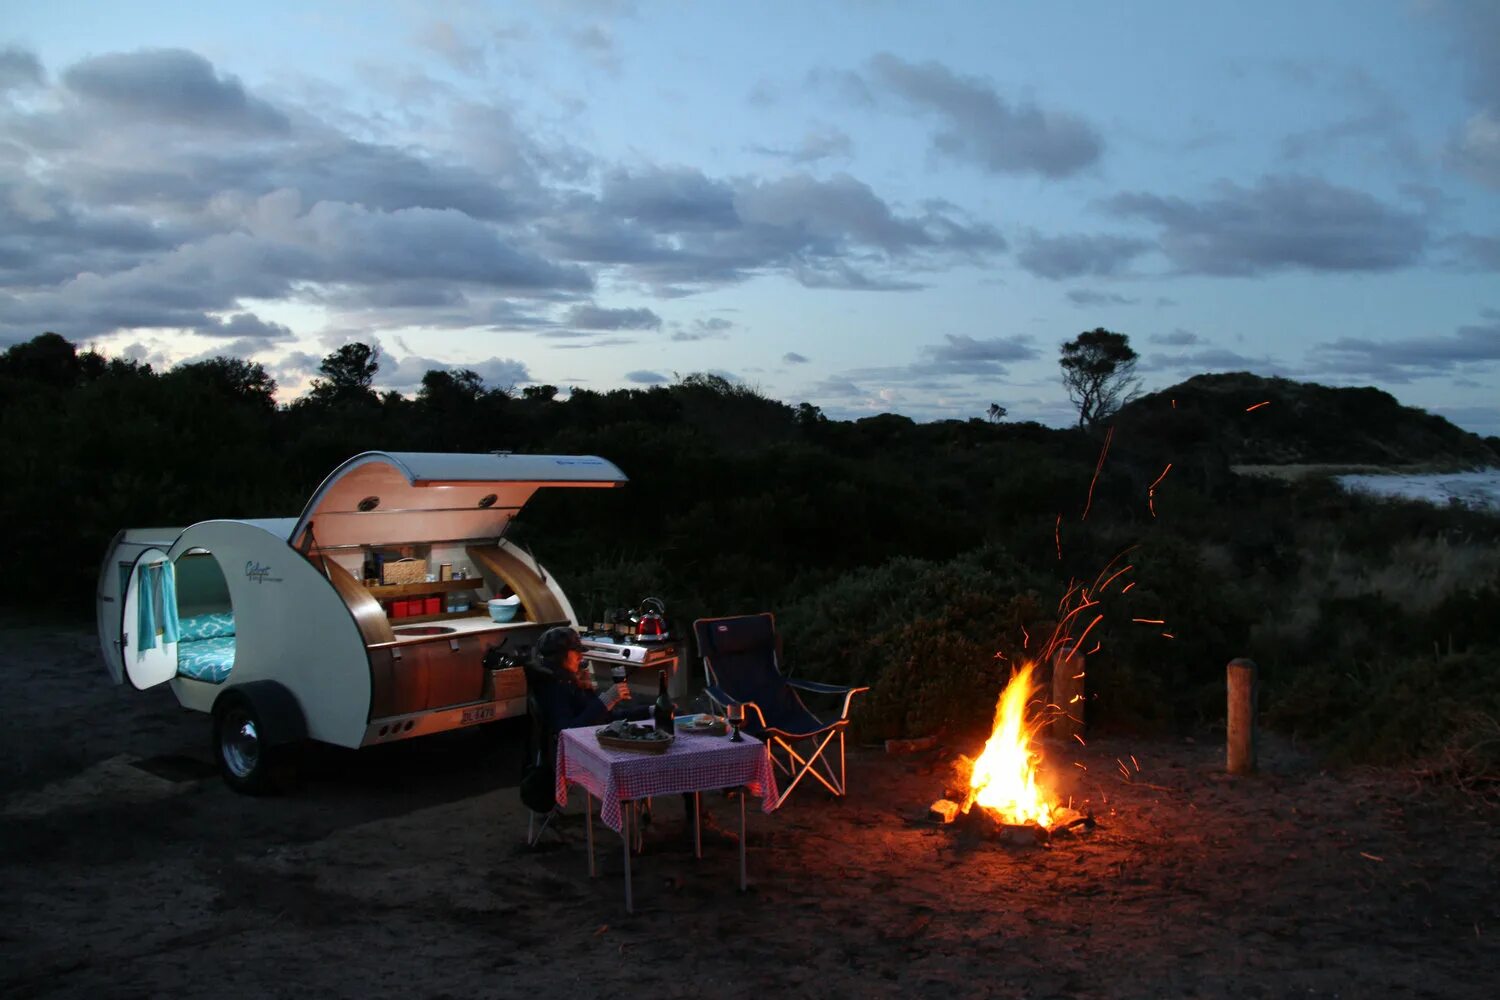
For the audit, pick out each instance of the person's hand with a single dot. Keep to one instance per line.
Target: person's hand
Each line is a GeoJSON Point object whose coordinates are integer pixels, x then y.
{"type": "Point", "coordinates": [612, 696]}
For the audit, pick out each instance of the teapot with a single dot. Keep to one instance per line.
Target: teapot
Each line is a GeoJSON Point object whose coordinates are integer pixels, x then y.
{"type": "Point", "coordinates": [650, 620]}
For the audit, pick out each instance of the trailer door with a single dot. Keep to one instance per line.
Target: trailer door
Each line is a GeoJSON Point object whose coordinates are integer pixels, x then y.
{"type": "Point", "coordinates": [148, 621]}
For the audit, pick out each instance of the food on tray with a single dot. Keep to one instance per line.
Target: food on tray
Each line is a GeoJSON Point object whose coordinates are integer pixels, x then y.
{"type": "Point", "coordinates": [621, 729]}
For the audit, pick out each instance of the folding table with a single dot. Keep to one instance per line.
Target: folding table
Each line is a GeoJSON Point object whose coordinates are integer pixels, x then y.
{"type": "Point", "coordinates": [694, 763]}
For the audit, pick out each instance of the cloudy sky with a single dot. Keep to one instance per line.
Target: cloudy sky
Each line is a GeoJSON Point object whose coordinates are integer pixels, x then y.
{"type": "Point", "coordinates": [870, 206]}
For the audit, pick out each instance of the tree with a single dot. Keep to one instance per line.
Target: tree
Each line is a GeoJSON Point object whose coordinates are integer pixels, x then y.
{"type": "Point", "coordinates": [1099, 373]}
{"type": "Point", "coordinates": [996, 413]}
{"type": "Point", "coordinates": [235, 378]}
{"type": "Point", "coordinates": [347, 374]}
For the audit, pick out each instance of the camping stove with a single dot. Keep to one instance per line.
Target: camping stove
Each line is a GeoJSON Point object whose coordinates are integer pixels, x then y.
{"type": "Point", "coordinates": [603, 646]}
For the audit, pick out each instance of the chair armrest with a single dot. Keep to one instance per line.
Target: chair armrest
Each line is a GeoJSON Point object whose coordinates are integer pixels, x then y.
{"type": "Point", "coordinates": [718, 697]}
{"type": "Point", "coordinates": [817, 687]}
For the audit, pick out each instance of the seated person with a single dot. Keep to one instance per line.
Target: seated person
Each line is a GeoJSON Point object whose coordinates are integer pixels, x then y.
{"type": "Point", "coordinates": [565, 692]}
{"type": "Point", "coordinates": [565, 695]}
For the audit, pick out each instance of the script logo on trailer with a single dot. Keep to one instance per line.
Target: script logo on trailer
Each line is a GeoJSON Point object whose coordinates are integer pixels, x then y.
{"type": "Point", "coordinates": [256, 573]}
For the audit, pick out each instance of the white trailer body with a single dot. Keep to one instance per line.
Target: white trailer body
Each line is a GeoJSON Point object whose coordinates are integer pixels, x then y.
{"type": "Point", "coordinates": [270, 625]}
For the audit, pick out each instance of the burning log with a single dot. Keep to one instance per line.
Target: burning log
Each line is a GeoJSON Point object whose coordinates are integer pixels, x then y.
{"type": "Point", "coordinates": [943, 811]}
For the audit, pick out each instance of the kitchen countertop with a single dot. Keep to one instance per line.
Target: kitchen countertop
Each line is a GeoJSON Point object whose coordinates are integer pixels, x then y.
{"type": "Point", "coordinates": [461, 627]}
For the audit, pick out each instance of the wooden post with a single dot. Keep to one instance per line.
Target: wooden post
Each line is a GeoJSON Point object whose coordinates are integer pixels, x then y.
{"type": "Point", "coordinates": [1067, 693]}
{"type": "Point", "coordinates": [1241, 722]}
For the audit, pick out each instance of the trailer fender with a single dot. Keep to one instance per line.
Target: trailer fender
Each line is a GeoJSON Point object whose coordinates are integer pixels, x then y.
{"type": "Point", "coordinates": [280, 715]}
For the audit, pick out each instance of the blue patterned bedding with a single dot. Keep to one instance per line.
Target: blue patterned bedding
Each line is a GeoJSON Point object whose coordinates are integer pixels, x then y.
{"type": "Point", "coordinates": [205, 648]}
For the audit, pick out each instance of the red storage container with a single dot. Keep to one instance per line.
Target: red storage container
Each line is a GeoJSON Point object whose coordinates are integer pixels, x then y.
{"type": "Point", "coordinates": [432, 606]}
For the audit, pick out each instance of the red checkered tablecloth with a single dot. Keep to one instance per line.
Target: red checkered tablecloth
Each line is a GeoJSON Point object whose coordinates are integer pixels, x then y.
{"type": "Point", "coordinates": [696, 762]}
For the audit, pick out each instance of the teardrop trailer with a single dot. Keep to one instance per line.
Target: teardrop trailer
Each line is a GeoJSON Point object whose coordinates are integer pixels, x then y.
{"type": "Point", "coordinates": [280, 631]}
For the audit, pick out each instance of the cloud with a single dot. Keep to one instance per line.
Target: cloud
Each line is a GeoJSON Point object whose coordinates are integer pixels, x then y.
{"type": "Point", "coordinates": [1475, 149]}
{"type": "Point", "coordinates": [966, 355]}
{"type": "Point", "coordinates": [713, 328]}
{"type": "Point", "coordinates": [591, 317]}
{"type": "Point", "coordinates": [1378, 120]}
{"type": "Point", "coordinates": [1284, 222]}
{"type": "Point", "coordinates": [1404, 359]}
{"type": "Point", "coordinates": [646, 378]}
{"type": "Point", "coordinates": [19, 68]}
{"type": "Point", "coordinates": [981, 127]}
{"type": "Point", "coordinates": [249, 328]}
{"type": "Point", "coordinates": [1073, 256]}
{"type": "Point", "coordinates": [1482, 252]}
{"type": "Point", "coordinates": [1210, 359]}
{"type": "Point", "coordinates": [1177, 338]}
{"type": "Point", "coordinates": [173, 86]}
{"type": "Point", "coordinates": [675, 227]}
{"type": "Point", "coordinates": [598, 44]}
{"type": "Point", "coordinates": [405, 375]}
{"type": "Point", "coordinates": [1087, 297]}
{"type": "Point", "coordinates": [793, 358]}
{"type": "Point", "coordinates": [154, 190]}
{"type": "Point", "coordinates": [454, 46]}
{"type": "Point", "coordinates": [821, 143]}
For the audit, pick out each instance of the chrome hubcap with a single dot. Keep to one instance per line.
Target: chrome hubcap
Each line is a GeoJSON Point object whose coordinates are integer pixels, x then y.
{"type": "Point", "coordinates": [240, 743]}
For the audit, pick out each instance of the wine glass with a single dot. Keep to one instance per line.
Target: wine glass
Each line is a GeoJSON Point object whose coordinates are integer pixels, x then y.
{"type": "Point", "coordinates": [736, 715]}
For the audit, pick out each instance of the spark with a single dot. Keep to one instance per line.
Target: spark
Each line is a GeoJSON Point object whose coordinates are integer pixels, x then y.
{"type": "Point", "coordinates": [1025, 637]}
{"type": "Point", "coordinates": [1150, 621]}
{"type": "Point", "coordinates": [1091, 652]}
{"type": "Point", "coordinates": [1252, 409]}
{"type": "Point", "coordinates": [1169, 635]}
{"type": "Point", "coordinates": [1082, 743]}
{"type": "Point", "coordinates": [1078, 677]}
{"type": "Point", "coordinates": [1126, 588]}
{"type": "Point", "coordinates": [1057, 536]}
{"type": "Point", "coordinates": [1079, 766]}
{"type": "Point", "coordinates": [1372, 857]}
{"type": "Point", "coordinates": [1108, 437]}
{"type": "Point", "coordinates": [1135, 762]}
{"type": "Point", "coordinates": [1151, 490]}
{"type": "Point", "coordinates": [1113, 575]}
{"type": "Point", "coordinates": [1096, 621]}
{"type": "Point", "coordinates": [1174, 404]}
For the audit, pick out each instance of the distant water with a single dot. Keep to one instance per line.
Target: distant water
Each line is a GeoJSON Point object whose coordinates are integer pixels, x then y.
{"type": "Point", "coordinates": [1479, 490]}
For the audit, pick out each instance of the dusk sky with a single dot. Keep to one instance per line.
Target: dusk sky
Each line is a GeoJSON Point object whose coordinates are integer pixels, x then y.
{"type": "Point", "coordinates": [867, 206]}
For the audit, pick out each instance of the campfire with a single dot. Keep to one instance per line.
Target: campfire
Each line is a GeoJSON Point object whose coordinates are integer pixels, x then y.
{"type": "Point", "coordinates": [1001, 795]}
{"type": "Point", "coordinates": [1003, 777]}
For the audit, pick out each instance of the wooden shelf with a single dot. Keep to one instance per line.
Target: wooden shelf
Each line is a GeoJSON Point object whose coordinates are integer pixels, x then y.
{"type": "Point", "coordinates": [380, 591]}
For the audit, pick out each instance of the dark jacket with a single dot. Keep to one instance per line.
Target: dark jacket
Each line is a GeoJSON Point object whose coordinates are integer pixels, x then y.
{"type": "Point", "coordinates": [563, 704]}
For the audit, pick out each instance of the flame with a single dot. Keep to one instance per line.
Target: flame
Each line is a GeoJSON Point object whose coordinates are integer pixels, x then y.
{"type": "Point", "coordinates": [1003, 778]}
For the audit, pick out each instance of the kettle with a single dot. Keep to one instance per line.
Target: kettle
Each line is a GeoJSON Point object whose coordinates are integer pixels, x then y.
{"type": "Point", "coordinates": [650, 621]}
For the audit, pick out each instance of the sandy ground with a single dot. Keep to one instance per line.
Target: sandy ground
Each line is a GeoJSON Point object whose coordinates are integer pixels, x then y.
{"type": "Point", "coordinates": [403, 872]}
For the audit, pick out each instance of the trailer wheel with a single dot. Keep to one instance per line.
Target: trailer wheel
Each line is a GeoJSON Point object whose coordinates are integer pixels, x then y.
{"type": "Point", "coordinates": [247, 760]}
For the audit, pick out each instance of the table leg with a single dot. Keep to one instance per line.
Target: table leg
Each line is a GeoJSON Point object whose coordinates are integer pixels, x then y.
{"type": "Point", "coordinates": [627, 820]}
{"type": "Point", "coordinates": [697, 826]}
{"type": "Point", "coordinates": [588, 812]}
{"type": "Point", "coordinates": [743, 793]}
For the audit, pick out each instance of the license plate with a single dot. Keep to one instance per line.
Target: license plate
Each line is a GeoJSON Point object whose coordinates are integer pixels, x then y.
{"type": "Point", "coordinates": [473, 715]}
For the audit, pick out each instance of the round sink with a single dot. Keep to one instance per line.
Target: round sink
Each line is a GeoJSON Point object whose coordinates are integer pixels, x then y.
{"type": "Point", "coordinates": [423, 630]}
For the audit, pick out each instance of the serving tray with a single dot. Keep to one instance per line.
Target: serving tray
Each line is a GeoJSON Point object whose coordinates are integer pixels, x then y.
{"type": "Point", "coordinates": [610, 742]}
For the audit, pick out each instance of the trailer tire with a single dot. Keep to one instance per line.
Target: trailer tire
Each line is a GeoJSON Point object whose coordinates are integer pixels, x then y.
{"type": "Point", "coordinates": [255, 730]}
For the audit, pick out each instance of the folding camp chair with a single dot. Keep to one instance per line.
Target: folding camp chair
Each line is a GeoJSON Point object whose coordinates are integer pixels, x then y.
{"type": "Point", "coordinates": [741, 662]}
{"type": "Point", "coordinates": [541, 754]}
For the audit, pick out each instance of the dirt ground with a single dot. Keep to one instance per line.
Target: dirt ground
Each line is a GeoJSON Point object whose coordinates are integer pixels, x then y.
{"type": "Point", "coordinates": [130, 870]}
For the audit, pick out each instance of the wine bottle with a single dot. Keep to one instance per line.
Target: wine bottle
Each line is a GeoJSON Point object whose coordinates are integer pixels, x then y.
{"type": "Point", "coordinates": [661, 713]}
